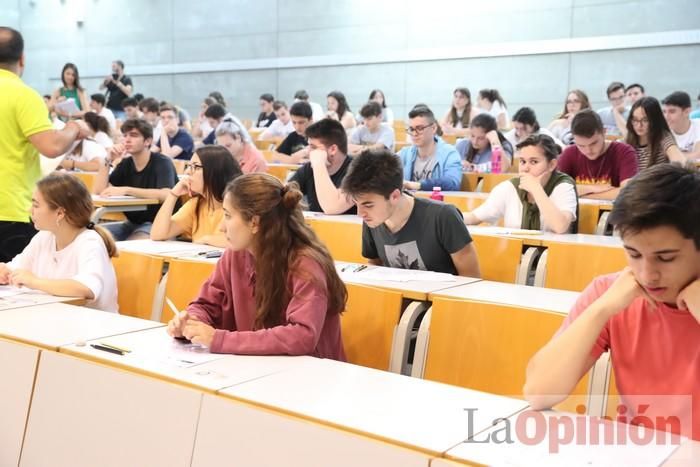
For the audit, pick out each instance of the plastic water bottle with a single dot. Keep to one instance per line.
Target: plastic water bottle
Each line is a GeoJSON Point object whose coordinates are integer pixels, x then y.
{"type": "Point", "coordinates": [496, 160]}
{"type": "Point", "coordinates": [437, 194]}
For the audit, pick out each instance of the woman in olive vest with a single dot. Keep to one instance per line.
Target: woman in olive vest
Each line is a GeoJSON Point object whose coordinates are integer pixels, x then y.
{"type": "Point", "coordinates": [541, 198]}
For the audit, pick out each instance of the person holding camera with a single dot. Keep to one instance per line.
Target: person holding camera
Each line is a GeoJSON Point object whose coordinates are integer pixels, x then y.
{"type": "Point", "coordinates": [119, 87]}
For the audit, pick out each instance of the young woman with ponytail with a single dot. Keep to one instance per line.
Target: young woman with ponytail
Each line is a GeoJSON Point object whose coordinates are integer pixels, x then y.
{"type": "Point", "coordinates": [275, 291]}
{"type": "Point", "coordinates": [70, 256]}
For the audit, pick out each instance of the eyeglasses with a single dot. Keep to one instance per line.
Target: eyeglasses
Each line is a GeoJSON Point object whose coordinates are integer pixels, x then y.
{"type": "Point", "coordinates": [617, 99]}
{"type": "Point", "coordinates": [641, 121]}
{"type": "Point", "coordinates": [418, 129]}
{"type": "Point", "coordinates": [193, 166]}
{"type": "Point", "coordinates": [573, 101]}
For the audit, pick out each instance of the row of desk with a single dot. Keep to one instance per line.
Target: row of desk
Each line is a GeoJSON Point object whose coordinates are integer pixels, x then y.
{"type": "Point", "coordinates": [165, 403]}
{"type": "Point", "coordinates": [567, 261]}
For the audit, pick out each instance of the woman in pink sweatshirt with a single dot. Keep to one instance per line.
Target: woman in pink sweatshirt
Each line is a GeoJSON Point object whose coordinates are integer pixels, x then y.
{"type": "Point", "coordinates": [275, 291]}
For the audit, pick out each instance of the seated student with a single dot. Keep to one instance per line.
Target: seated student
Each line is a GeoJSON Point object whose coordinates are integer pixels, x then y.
{"type": "Point", "coordinates": [338, 109]}
{"type": "Point", "coordinates": [649, 135]}
{"type": "Point", "coordinates": [99, 129]}
{"type": "Point", "coordinates": [69, 256]}
{"type": "Point", "coordinates": [542, 198]}
{"type": "Point", "coordinates": [525, 124]}
{"type": "Point", "coordinates": [97, 105]}
{"type": "Point", "coordinates": [174, 142]}
{"type": "Point", "coordinates": [457, 119]}
{"type": "Point", "coordinates": [200, 127]}
{"type": "Point", "coordinates": [647, 316]}
{"type": "Point", "coordinates": [317, 112]}
{"type": "Point", "coordinates": [491, 102]}
{"type": "Point", "coordinates": [401, 231]}
{"type": "Point", "coordinates": [275, 291]}
{"type": "Point", "coordinates": [387, 114]}
{"type": "Point", "coordinates": [215, 114]}
{"type": "Point", "coordinates": [633, 93]}
{"type": "Point", "coordinates": [295, 147]}
{"type": "Point", "coordinates": [281, 126]}
{"type": "Point", "coordinates": [267, 114]}
{"type": "Point", "coordinates": [430, 162]}
{"type": "Point", "coordinates": [142, 174]}
{"type": "Point", "coordinates": [150, 107]}
{"type": "Point", "coordinates": [476, 150]}
{"type": "Point", "coordinates": [86, 156]}
{"type": "Point", "coordinates": [676, 108]}
{"type": "Point", "coordinates": [131, 108]}
{"type": "Point", "coordinates": [599, 167]}
{"type": "Point", "coordinates": [614, 117]}
{"type": "Point", "coordinates": [248, 157]}
{"type": "Point", "coordinates": [372, 134]}
{"type": "Point", "coordinates": [320, 178]}
{"type": "Point", "coordinates": [199, 219]}
{"type": "Point", "coordinates": [560, 127]}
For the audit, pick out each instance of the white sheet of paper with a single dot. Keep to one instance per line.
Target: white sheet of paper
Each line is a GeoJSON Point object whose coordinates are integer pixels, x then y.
{"type": "Point", "coordinates": [403, 275]}
{"type": "Point", "coordinates": [112, 198]}
{"type": "Point", "coordinates": [11, 291]}
{"type": "Point", "coordinates": [67, 106]}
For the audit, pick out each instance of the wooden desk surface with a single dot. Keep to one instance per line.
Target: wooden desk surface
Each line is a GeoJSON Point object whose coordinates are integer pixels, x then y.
{"type": "Point", "coordinates": [412, 412]}
{"type": "Point", "coordinates": [116, 201]}
{"type": "Point", "coordinates": [559, 301]}
{"type": "Point", "coordinates": [54, 325]}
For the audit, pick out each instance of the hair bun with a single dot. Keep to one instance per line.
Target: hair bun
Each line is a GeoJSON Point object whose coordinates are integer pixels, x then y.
{"type": "Point", "coordinates": [290, 197]}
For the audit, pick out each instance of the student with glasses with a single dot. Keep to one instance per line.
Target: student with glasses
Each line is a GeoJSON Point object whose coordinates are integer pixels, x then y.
{"type": "Point", "coordinates": [560, 127]}
{"type": "Point", "coordinates": [208, 172]}
{"type": "Point", "coordinates": [649, 134]}
{"type": "Point", "coordinates": [430, 162]}
{"type": "Point", "coordinates": [614, 117]}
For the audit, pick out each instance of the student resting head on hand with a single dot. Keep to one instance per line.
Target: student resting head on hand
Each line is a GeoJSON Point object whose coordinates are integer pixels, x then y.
{"type": "Point", "coordinates": [275, 291]}
{"type": "Point", "coordinates": [70, 255]}
{"type": "Point", "coordinates": [541, 198]}
{"type": "Point", "coordinates": [206, 176]}
{"type": "Point", "coordinates": [647, 316]}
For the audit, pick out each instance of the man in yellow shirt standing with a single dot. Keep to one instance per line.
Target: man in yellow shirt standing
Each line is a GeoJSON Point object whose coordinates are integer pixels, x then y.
{"type": "Point", "coordinates": [25, 131]}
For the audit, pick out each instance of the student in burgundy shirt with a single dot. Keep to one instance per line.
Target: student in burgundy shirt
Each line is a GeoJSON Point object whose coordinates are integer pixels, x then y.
{"type": "Point", "coordinates": [647, 316]}
{"type": "Point", "coordinates": [599, 167]}
{"type": "Point", "coordinates": [275, 291]}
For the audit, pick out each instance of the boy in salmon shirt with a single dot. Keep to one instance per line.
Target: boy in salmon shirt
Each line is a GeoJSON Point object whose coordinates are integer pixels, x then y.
{"type": "Point", "coordinates": [647, 316]}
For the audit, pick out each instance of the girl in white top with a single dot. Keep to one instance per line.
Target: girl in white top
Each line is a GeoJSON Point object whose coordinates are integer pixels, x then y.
{"type": "Point", "coordinates": [338, 109]}
{"type": "Point", "coordinates": [542, 198]}
{"type": "Point", "coordinates": [491, 102]}
{"type": "Point", "coordinates": [459, 117]}
{"type": "Point", "coordinates": [70, 256]}
{"type": "Point", "coordinates": [86, 155]}
{"type": "Point", "coordinates": [99, 129]}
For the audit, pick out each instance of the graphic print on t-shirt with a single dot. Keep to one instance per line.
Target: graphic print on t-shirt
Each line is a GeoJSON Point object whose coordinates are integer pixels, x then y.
{"type": "Point", "coordinates": [404, 256]}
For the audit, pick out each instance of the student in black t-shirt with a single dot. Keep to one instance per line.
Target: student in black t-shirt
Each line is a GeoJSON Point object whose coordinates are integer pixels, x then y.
{"type": "Point", "coordinates": [294, 149]}
{"type": "Point", "coordinates": [401, 231]}
{"type": "Point", "coordinates": [143, 175]}
{"type": "Point", "coordinates": [119, 87]}
{"type": "Point", "coordinates": [320, 178]}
